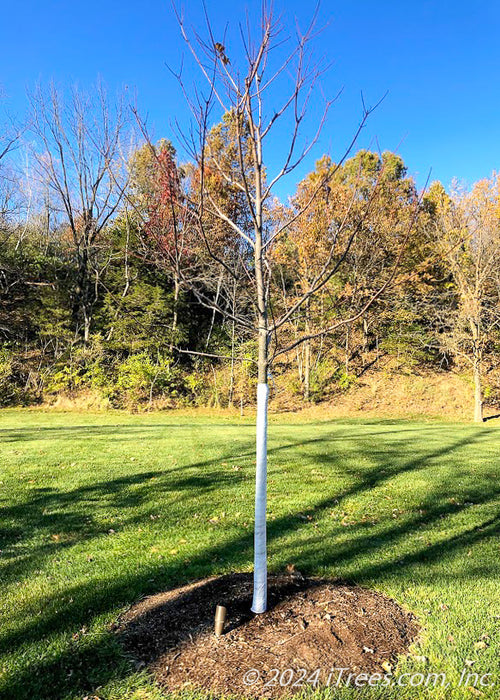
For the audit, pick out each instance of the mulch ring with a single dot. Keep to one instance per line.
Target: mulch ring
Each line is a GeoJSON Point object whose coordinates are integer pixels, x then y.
{"type": "Point", "coordinates": [310, 624]}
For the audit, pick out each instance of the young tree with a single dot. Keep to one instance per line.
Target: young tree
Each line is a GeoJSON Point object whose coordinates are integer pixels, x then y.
{"type": "Point", "coordinates": [247, 88]}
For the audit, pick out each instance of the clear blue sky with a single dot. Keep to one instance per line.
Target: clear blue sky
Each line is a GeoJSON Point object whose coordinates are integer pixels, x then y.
{"type": "Point", "coordinates": [439, 62]}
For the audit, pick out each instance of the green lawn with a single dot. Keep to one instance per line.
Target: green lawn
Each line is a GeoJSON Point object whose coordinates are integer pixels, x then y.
{"type": "Point", "coordinates": [98, 510]}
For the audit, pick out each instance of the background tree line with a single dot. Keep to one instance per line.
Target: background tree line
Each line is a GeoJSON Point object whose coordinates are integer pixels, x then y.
{"type": "Point", "coordinates": [118, 280]}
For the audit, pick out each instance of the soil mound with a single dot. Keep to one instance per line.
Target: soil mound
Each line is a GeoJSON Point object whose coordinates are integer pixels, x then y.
{"type": "Point", "coordinates": [312, 626]}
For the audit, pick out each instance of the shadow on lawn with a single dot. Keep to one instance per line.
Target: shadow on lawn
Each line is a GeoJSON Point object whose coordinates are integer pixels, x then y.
{"type": "Point", "coordinates": [108, 432]}
{"type": "Point", "coordinates": [87, 662]}
{"type": "Point", "coordinates": [58, 521]}
{"type": "Point", "coordinates": [121, 431]}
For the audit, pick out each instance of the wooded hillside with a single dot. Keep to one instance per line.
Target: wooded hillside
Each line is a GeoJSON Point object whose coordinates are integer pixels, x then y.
{"type": "Point", "coordinates": [114, 284]}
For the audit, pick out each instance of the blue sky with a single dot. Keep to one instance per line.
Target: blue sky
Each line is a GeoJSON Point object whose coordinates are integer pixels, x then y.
{"type": "Point", "coordinates": [439, 62]}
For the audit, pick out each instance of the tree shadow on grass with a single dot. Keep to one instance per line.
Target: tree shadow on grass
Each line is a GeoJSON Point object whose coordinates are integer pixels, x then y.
{"type": "Point", "coordinates": [120, 431]}
{"type": "Point", "coordinates": [82, 664]}
{"type": "Point", "coordinates": [60, 519]}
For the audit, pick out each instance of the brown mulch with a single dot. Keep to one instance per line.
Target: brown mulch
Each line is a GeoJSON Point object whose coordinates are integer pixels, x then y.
{"type": "Point", "coordinates": [310, 624]}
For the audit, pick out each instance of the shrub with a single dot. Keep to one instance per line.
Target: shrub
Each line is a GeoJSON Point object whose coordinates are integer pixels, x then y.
{"type": "Point", "coordinates": [140, 378]}
{"type": "Point", "coordinates": [329, 377]}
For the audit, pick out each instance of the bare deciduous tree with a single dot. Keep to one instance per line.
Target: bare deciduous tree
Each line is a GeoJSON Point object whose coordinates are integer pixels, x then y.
{"type": "Point", "coordinates": [246, 88]}
{"type": "Point", "coordinates": [10, 135]}
{"type": "Point", "coordinates": [79, 158]}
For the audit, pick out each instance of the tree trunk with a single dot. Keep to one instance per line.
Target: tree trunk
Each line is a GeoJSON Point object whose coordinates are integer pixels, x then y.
{"type": "Point", "coordinates": [209, 335]}
{"type": "Point", "coordinates": [216, 391]}
{"type": "Point", "coordinates": [307, 358]}
{"type": "Point", "coordinates": [259, 602]}
{"type": "Point", "coordinates": [177, 289]}
{"type": "Point", "coordinates": [231, 379]}
{"type": "Point", "coordinates": [233, 336]}
{"type": "Point", "coordinates": [346, 359]}
{"type": "Point", "coordinates": [307, 370]}
{"type": "Point", "coordinates": [86, 326]}
{"type": "Point", "coordinates": [365, 335]}
{"type": "Point", "coordinates": [478, 393]}
{"type": "Point", "coordinates": [83, 302]}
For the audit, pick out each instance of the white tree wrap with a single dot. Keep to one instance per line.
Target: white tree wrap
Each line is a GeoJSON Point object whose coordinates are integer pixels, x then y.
{"type": "Point", "coordinates": [259, 603]}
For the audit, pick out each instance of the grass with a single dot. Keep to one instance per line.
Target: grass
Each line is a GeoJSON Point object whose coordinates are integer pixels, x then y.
{"type": "Point", "coordinates": [98, 510]}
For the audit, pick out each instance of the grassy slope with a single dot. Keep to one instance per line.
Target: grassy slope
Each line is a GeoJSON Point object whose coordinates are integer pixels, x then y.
{"type": "Point", "coordinates": [98, 510]}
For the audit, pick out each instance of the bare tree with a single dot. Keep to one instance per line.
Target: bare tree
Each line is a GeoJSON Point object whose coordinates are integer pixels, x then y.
{"type": "Point", "coordinates": [10, 135]}
{"type": "Point", "coordinates": [246, 88]}
{"type": "Point", "coordinates": [78, 153]}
